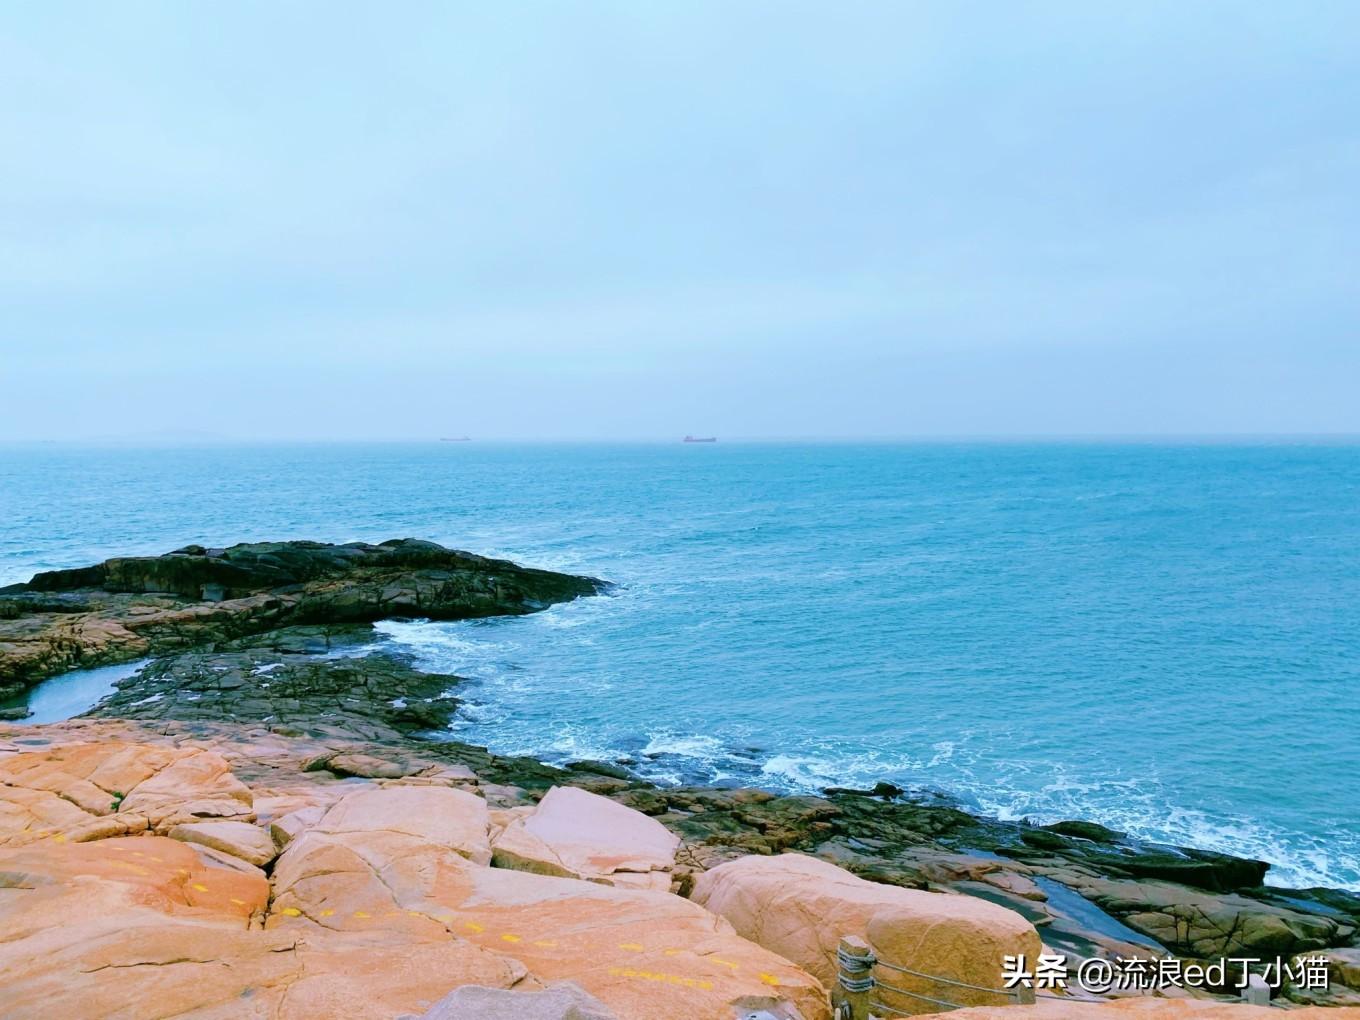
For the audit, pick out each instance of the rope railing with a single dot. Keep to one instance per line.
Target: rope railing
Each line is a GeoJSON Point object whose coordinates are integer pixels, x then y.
{"type": "Point", "coordinates": [859, 992]}
{"type": "Point", "coordinates": [1008, 993]}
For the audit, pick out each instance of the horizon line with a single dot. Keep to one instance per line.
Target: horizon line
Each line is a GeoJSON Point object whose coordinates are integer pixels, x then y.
{"type": "Point", "coordinates": [923, 438]}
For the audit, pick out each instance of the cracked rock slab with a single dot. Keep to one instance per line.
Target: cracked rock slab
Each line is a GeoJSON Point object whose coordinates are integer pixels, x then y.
{"type": "Point", "coordinates": [576, 834]}
{"type": "Point", "coordinates": [239, 839]}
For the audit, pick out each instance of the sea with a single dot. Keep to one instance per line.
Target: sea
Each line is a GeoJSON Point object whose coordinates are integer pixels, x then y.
{"type": "Point", "coordinates": [1160, 636]}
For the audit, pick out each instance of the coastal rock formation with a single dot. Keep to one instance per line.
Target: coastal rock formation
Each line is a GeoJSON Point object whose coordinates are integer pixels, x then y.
{"type": "Point", "coordinates": [131, 607]}
{"type": "Point", "coordinates": [937, 846]}
{"type": "Point", "coordinates": [411, 859]}
{"type": "Point", "coordinates": [140, 927]}
{"type": "Point", "coordinates": [800, 907]}
{"type": "Point", "coordinates": [562, 1001]}
{"type": "Point", "coordinates": [1146, 1009]}
{"type": "Point", "coordinates": [326, 848]}
{"type": "Point", "coordinates": [242, 840]}
{"type": "Point", "coordinates": [378, 906]}
{"type": "Point", "coordinates": [578, 834]}
{"type": "Point", "coordinates": [93, 791]}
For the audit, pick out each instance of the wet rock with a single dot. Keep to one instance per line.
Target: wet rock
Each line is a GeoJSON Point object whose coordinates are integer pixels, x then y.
{"type": "Point", "coordinates": [886, 791]}
{"type": "Point", "coordinates": [1200, 869]}
{"type": "Point", "coordinates": [1205, 925]}
{"type": "Point", "coordinates": [1086, 830]}
{"type": "Point", "coordinates": [127, 608]}
{"type": "Point", "coordinates": [600, 768]}
{"type": "Point", "coordinates": [255, 682]}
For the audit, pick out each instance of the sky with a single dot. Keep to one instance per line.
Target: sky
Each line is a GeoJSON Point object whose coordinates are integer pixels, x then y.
{"type": "Point", "coordinates": [640, 220]}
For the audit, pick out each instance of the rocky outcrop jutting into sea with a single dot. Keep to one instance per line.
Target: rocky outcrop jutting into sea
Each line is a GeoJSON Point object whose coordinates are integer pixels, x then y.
{"type": "Point", "coordinates": [130, 607]}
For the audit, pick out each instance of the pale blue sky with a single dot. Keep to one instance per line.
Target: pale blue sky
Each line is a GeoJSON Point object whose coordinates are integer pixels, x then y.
{"type": "Point", "coordinates": [331, 220]}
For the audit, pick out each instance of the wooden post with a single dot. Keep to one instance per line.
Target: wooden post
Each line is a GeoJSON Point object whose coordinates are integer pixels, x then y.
{"type": "Point", "coordinates": [855, 977]}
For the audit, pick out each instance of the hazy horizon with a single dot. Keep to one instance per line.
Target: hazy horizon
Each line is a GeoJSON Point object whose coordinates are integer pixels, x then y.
{"type": "Point", "coordinates": [608, 221]}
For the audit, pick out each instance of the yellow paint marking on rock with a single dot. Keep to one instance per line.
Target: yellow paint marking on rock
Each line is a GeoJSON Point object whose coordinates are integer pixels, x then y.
{"type": "Point", "coordinates": [725, 963]}
{"type": "Point", "coordinates": [362, 913]}
{"type": "Point", "coordinates": [291, 911]}
{"type": "Point", "coordinates": [510, 938]}
{"type": "Point", "coordinates": [546, 943]}
{"type": "Point", "coordinates": [199, 886]}
{"type": "Point", "coordinates": [634, 946]}
{"type": "Point", "coordinates": [473, 926]}
{"type": "Point", "coordinates": [59, 838]}
{"type": "Point", "coordinates": [327, 912]}
{"type": "Point", "coordinates": [661, 977]}
{"type": "Point", "coordinates": [769, 979]}
{"type": "Point", "coordinates": [239, 903]}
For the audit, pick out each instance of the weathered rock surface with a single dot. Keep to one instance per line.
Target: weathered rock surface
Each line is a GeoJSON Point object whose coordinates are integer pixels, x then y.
{"type": "Point", "coordinates": [1151, 1009]}
{"type": "Point", "coordinates": [132, 607]}
{"type": "Point", "coordinates": [380, 859]}
{"type": "Point", "coordinates": [248, 842]}
{"type": "Point", "coordinates": [380, 905]}
{"type": "Point", "coordinates": [81, 792]}
{"type": "Point", "coordinates": [313, 679]}
{"type": "Point", "coordinates": [561, 1001]}
{"type": "Point", "coordinates": [578, 834]}
{"type": "Point", "coordinates": [929, 845]}
{"type": "Point", "coordinates": [800, 907]}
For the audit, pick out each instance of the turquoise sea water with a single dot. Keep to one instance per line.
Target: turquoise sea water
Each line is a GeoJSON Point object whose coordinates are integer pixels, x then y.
{"type": "Point", "coordinates": [1163, 638]}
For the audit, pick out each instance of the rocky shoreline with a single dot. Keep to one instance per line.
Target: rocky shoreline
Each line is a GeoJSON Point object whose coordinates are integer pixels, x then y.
{"type": "Point", "coordinates": [264, 656]}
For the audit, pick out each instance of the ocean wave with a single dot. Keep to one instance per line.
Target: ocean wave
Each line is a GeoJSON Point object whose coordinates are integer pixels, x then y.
{"type": "Point", "coordinates": [518, 707]}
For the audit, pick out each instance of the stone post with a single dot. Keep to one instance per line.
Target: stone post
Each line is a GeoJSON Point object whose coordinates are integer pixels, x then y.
{"type": "Point", "coordinates": [1256, 992]}
{"type": "Point", "coordinates": [855, 978]}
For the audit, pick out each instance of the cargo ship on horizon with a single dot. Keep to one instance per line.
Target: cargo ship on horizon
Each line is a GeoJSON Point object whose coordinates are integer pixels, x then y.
{"type": "Point", "coordinates": [700, 439]}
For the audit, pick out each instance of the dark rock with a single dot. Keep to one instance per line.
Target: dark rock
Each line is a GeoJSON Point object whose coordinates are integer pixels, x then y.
{"type": "Point", "coordinates": [649, 802]}
{"type": "Point", "coordinates": [600, 768]}
{"type": "Point", "coordinates": [1045, 840]}
{"type": "Point", "coordinates": [1199, 868]}
{"type": "Point", "coordinates": [380, 693]}
{"type": "Point", "coordinates": [1086, 830]}
{"type": "Point", "coordinates": [19, 712]}
{"type": "Point", "coordinates": [886, 791]}
{"type": "Point", "coordinates": [131, 607]}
